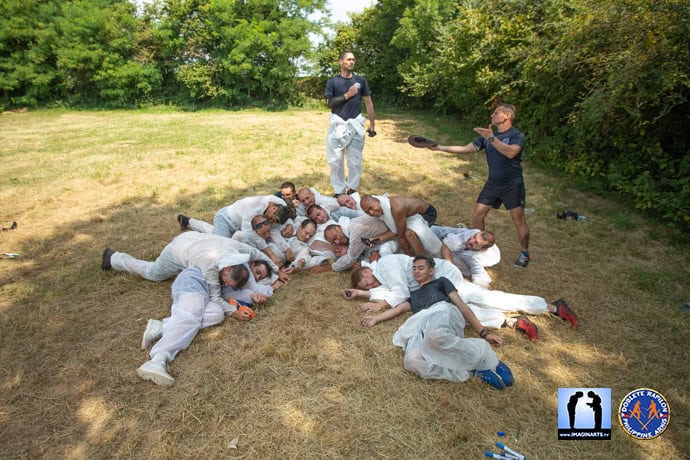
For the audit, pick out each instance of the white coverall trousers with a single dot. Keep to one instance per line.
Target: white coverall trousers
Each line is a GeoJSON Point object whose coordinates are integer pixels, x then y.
{"type": "Point", "coordinates": [191, 311]}
{"type": "Point", "coordinates": [345, 139]}
{"type": "Point", "coordinates": [436, 348]}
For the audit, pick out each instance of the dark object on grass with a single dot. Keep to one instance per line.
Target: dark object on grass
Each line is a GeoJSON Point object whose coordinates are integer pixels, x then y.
{"type": "Point", "coordinates": [11, 227]}
{"type": "Point", "coordinates": [421, 142]}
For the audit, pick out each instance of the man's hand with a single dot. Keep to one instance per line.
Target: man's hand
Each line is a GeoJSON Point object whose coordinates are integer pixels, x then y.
{"type": "Point", "coordinates": [354, 293]}
{"type": "Point", "coordinates": [374, 256]}
{"type": "Point", "coordinates": [283, 274]}
{"type": "Point", "coordinates": [494, 338]}
{"type": "Point", "coordinates": [258, 298]}
{"type": "Point", "coordinates": [368, 321]}
{"type": "Point", "coordinates": [320, 269]}
{"type": "Point", "coordinates": [484, 132]}
{"type": "Point", "coordinates": [241, 315]}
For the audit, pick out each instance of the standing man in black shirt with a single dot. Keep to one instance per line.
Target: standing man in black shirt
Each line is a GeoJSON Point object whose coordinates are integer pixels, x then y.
{"type": "Point", "coordinates": [505, 184]}
{"type": "Point", "coordinates": [345, 138]}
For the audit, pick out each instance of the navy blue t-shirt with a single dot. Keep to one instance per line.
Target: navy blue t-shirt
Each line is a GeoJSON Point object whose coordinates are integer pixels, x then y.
{"type": "Point", "coordinates": [434, 291]}
{"type": "Point", "coordinates": [503, 170]}
{"type": "Point", "coordinates": [339, 85]}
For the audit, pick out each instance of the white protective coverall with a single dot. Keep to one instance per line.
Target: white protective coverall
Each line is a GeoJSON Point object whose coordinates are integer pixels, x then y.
{"type": "Point", "coordinates": [191, 249]}
{"type": "Point", "coordinates": [394, 272]}
{"type": "Point", "coordinates": [436, 348]}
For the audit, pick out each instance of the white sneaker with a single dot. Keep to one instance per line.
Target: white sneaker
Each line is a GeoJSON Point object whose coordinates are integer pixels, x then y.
{"type": "Point", "coordinates": [154, 330]}
{"type": "Point", "coordinates": [155, 370]}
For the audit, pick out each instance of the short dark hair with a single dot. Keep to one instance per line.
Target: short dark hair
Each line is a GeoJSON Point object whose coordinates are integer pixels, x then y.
{"type": "Point", "coordinates": [343, 53]}
{"type": "Point", "coordinates": [356, 276]}
{"type": "Point", "coordinates": [429, 260]}
{"type": "Point", "coordinates": [329, 228]}
{"type": "Point", "coordinates": [240, 274]}
{"type": "Point", "coordinates": [269, 270]}
{"type": "Point", "coordinates": [288, 184]}
{"type": "Point", "coordinates": [312, 207]}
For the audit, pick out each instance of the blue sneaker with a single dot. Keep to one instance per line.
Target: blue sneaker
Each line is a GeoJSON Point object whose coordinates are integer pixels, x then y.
{"type": "Point", "coordinates": [490, 377]}
{"type": "Point", "coordinates": [504, 372]}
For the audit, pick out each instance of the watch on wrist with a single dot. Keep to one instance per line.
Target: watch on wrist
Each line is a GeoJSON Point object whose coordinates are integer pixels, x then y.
{"type": "Point", "coordinates": [490, 139]}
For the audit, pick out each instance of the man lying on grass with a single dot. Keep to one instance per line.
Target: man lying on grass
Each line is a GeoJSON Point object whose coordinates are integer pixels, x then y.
{"type": "Point", "coordinates": [389, 281]}
{"type": "Point", "coordinates": [433, 338]}
{"type": "Point", "coordinates": [192, 310]}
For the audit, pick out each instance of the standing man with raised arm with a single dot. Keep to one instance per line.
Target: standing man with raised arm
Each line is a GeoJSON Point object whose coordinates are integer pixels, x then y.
{"type": "Point", "coordinates": [345, 138]}
{"type": "Point", "coordinates": [505, 184]}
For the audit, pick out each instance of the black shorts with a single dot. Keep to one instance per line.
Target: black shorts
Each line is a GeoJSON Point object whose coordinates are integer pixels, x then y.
{"type": "Point", "coordinates": [511, 195]}
{"type": "Point", "coordinates": [430, 215]}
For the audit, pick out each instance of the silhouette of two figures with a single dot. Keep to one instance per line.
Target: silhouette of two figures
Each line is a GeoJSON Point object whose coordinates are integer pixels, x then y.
{"type": "Point", "coordinates": [594, 404]}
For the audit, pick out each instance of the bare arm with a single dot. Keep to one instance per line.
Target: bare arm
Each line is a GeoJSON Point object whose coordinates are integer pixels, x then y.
{"type": "Point", "coordinates": [399, 212]}
{"type": "Point", "coordinates": [469, 148]}
{"type": "Point", "coordinates": [369, 104]}
{"type": "Point", "coordinates": [375, 306]}
{"type": "Point", "coordinates": [446, 253]}
{"type": "Point", "coordinates": [472, 319]}
{"type": "Point", "coordinates": [371, 320]}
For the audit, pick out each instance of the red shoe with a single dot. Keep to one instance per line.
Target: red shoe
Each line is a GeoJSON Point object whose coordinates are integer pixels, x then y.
{"type": "Point", "coordinates": [524, 325]}
{"type": "Point", "coordinates": [563, 311]}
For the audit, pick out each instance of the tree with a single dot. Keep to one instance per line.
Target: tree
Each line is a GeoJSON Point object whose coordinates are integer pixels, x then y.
{"type": "Point", "coordinates": [27, 61]}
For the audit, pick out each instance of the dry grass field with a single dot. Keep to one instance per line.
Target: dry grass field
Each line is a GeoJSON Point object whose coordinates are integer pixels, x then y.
{"type": "Point", "coordinates": [303, 380]}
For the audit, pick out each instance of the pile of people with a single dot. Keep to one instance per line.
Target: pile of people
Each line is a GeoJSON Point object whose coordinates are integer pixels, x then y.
{"type": "Point", "coordinates": [401, 260]}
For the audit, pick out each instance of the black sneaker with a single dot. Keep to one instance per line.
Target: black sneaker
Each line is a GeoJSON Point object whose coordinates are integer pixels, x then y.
{"type": "Point", "coordinates": [522, 261]}
{"type": "Point", "coordinates": [183, 221]}
{"type": "Point", "coordinates": [105, 263]}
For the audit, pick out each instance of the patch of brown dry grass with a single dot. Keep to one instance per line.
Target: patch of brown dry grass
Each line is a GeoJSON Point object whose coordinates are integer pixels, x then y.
{"type": "Point", "coordinates": [303, 380]}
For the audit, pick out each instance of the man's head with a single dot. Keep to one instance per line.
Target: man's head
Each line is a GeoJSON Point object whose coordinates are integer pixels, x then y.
{"type": "Point", "coordinates": [347, 201]}
{"type": "Point", "coordinates": [317, 214]}
{"type": "Point", "coordinates": [363, 278]}
{"type": "Point", "coordinates": [481, 241]}
{"type": "Point", "coordinates": [503, 115]}
{"type": "Point", "coordinates": [287, 191]}
{"type": "Point", "coordinates": [423, 268]}
{"type": "Point", "coordinates": [277, 213]}
{"type": "Point", "coordinates": [261, 226]}
{"type": "Point", "coordinates": [340, 250]}
{"type": "Point", "coordinates": [334, 234]}
{"type": "Point", "coordinates": [232, 269]}
{"type": "Point", "coordinates": [306, 197]}
{"type": "Point", "coordinates": [261, 269]}
{"type": "Point", "coordinates": [346, 61]}
{"type": "Point", "coordinates": [306, 230]}
{"type": "Point", "coordinates": [371, 206]}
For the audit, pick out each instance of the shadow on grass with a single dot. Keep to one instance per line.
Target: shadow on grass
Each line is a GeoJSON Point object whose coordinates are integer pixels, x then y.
{"type": "Point", "coordinates": [70, 345]}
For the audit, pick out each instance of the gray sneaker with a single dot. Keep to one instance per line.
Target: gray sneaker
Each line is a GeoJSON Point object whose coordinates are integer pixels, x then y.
{"type": "Point", "coordinates": [522, 261]}
{"type": "Point", "coordinates": [154, 330]}
{"type": "Point", "coordinates": [155, 370]}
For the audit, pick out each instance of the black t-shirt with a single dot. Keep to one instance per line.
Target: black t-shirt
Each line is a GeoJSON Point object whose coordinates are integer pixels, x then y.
{"type": "Point", "coordinates": [339, 85]}
{"type": "Point", "coordinates": [503, 170]}
{"type": "Point", "coordinates": [434, 291]}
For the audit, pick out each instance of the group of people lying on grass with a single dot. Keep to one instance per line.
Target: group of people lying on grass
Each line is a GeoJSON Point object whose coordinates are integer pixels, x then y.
{"type": "Point", "coordinates": [400, 260]}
